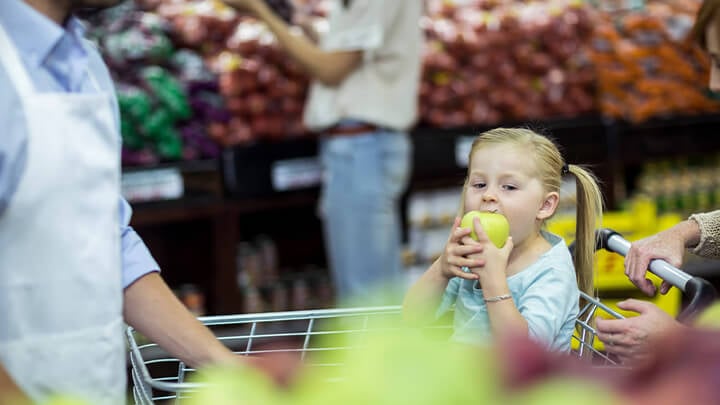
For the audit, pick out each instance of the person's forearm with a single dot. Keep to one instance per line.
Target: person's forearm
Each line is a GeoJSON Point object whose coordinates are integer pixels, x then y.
{"type": "Point", "coordinates": [503, 314]}
{"type": "Point", "coordinates": [422, 299]}
{"type": "Point", "coordinates": [687, 230]}
{"type": "Point", "coordinates": [328, 68]}
{"type": "Point", "coordinates": [10, 393]}
{"type": "Point", "coordinates": [152, 309]}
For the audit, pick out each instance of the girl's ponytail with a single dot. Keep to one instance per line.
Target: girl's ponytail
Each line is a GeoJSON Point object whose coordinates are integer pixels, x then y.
{"type": "Point", "coordinates": [588, 218]}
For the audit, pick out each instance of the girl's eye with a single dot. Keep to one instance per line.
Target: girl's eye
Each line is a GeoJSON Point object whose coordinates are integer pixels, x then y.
{"type": "Point", "coordinates": [509, 187]}
{"type": "Point", "coordinates": [478, 185]}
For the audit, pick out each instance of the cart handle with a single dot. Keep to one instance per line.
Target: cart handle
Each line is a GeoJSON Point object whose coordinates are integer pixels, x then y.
{"type": "Point", "coordinates": [699, 290]}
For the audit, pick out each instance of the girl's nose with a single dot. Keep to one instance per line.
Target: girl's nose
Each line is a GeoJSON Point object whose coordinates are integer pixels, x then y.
{"type": "Point", "coordinates": [489, 196]}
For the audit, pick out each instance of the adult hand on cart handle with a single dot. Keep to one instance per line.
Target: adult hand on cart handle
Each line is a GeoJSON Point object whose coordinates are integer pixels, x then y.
{"type": "Point", "coordinates": [666, 245]}
{"type": "Point", "coordinates": [628, 338]}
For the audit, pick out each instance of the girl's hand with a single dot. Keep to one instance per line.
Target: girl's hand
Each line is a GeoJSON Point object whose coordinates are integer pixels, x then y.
{"type": "Point", "coordinates": [456, 254]}
{"type": "Point", "coordinates": [494, 258]}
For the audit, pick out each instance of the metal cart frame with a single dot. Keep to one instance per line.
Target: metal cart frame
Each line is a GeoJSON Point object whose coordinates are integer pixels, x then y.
{"type": "Point", "coordinates": [249, 334]}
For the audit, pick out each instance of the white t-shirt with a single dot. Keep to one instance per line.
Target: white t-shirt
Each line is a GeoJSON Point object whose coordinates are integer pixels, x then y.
{"type": "Point", "coordinates": [383, 90]}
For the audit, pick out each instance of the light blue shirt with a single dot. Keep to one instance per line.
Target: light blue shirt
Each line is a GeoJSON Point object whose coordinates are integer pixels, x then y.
{"type": "Point", "coordinates": [545, 293]}
{"type": "Point", "coordinates": [57, 59]}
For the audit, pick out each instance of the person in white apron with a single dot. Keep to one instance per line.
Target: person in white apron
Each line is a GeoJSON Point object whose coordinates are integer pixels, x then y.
{"type": "Point", "coordinates": [62, 273]}
{"type": "Point", "coordinates": [51, 340]}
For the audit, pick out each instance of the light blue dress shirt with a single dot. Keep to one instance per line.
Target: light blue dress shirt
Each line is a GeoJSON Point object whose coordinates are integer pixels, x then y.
{"type": "Point", "coordinates": [57, 59]}
{"type": "Point", "coordinates": [545, 293]}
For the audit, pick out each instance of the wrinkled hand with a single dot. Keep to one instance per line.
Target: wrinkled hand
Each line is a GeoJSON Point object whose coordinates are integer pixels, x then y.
{"type": "Point", "coordinates": [664, 245]}
{"type": "Point", "coordinates": [456, 254]}
{"type": "Point", "coordinates": [494, 258]}
{"type": "Point", "coordinates": [630, 338]}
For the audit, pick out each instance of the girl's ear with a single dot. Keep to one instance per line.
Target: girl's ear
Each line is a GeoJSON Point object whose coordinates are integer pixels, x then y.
{"type": "Point", "coordinates": [549, 205]}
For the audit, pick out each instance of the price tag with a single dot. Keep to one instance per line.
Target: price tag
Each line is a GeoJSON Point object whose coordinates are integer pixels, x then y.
{"type": "Point", "coordinates": [152, 185]}
{"type": "Point", "coordinates": [293, 174]}
{"type": "Point", "coordinates": [463, 144]}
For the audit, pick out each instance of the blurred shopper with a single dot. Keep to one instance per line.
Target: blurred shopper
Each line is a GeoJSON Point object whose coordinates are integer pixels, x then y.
{"type": "Point", "coordinates": [701, 232]}
{"type": "Point", "coordinates": [366, 72]}
{"type": "Point", "coordinates": [71, 269]}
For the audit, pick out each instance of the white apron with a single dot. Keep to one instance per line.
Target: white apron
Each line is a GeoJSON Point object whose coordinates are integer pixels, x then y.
{"type": "Point", "coordinates": [60, 265]}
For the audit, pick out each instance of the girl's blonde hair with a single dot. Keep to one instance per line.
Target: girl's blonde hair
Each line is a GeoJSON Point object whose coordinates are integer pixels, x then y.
{"type": "Point", "coordinates": [550, 164]}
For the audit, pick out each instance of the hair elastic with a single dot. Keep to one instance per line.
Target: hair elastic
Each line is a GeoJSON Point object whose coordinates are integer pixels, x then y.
{"type": "Point", "coordinates": [565, 169]}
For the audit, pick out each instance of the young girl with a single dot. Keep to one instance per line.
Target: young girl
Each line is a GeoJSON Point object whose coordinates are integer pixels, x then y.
{"type": "Point", "coordinates": [530, 285]}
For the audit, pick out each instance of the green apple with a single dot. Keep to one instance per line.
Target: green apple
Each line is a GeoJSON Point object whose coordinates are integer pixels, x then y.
{"type": "Point", "coordinates": [709, 318]}
{"type": "Point", "coordinates": [495, 225]}
{"type": "Point", "coordinates": [65, 400]}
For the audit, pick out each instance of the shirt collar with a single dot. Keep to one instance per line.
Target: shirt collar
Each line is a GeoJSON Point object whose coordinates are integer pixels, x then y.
{"type": "Point", "coordinates": [33, 34]}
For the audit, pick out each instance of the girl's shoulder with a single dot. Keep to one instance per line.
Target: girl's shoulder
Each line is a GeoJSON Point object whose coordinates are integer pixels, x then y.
{"type": "Point", "coordinates": [556, 261]}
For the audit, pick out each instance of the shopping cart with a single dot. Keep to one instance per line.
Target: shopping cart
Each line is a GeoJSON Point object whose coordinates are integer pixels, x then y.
{"type": "Point", "coordinates": [156, 376]}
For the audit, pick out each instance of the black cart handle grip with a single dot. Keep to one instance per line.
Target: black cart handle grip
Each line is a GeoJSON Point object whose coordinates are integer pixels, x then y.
{"type": "Point", "coordinates": [699, 290]}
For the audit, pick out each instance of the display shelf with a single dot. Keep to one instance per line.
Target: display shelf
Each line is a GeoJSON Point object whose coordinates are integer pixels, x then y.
{"type": "Point", "coordinates": [668, 137]}
{"type": "Point", "coordinates": [171, 181]}
{"type": "Point", "coordinates": [260, 169]}
{"type": "Point", "coordinates": [584, 140]}
{"type": "Point", "coordinates": [171, 229]}
{"type": "Point", "coordinates": [188, 208]}
{"type": "Point", "coordinates": [190, 166]}
{"type": "Point", "coordinates": [612, 150]}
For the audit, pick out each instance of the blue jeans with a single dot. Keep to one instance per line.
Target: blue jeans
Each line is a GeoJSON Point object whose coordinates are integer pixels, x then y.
{"type": "Point", "coordinates": [365, 176]}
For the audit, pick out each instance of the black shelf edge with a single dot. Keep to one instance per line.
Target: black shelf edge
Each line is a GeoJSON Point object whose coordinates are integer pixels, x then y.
{"type": "Point", "coordinates": [185, 166]}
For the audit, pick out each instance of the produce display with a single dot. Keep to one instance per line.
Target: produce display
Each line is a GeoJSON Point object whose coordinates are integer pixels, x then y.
{"type": "Point", "coordinates": [196, 75]}
{"type": "Point", "coordinates": [263, 90]}
{"type": "Point", "coordinates": [645, 65]}
{"type": "Point", "coordinates": [491, 61]}
{"type": "Point", "coordinates": [681, 185]}
{"type": "Point", "coordinates": [167, 98]}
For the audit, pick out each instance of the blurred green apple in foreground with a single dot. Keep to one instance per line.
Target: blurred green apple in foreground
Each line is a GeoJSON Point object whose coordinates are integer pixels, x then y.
{"type": "Point", "coordinates": [710, 317]}
{"type": "Point", "coordinates": [495, 225]}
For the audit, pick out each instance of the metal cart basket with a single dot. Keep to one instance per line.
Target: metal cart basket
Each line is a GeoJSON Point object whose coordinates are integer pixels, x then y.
{"type": "Point", "coordinates": [156, 376]}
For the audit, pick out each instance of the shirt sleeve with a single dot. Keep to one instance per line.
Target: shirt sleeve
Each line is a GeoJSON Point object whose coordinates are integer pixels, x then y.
{"type": "Point", "coordinates": [709, 224]}
{"type": "Point", "coordinates": [360, 27]}
{"type": "Point", "coordinates": [136, 258]}
{"type": "Point", "coordinates": [548, 303]}
{"type": "Point", "coordinates": [449, 297]}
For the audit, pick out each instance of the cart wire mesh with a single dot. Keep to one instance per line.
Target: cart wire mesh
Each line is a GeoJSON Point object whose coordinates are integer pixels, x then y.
{"type": "Point", "coordinates": [158, 377]}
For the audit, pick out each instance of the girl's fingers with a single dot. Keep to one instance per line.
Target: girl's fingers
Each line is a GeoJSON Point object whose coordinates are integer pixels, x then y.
{"type": "Point", "coordinates": [479, 230]}
{"type": "Point", "coordinates": [459, 234]}
{"type": "Point", "coordinates": [458, 272]}
{"type": "Point", "coordinates": [459, 262]}
{"type": "Point", "coordinates": [465, 250]}
{"type": "Point", "coordinates": [456, 232]}
{"type": "Point", "coordinates": [467, 240]}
